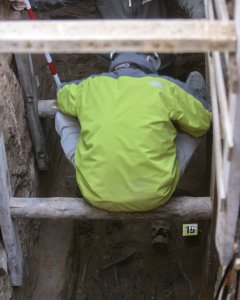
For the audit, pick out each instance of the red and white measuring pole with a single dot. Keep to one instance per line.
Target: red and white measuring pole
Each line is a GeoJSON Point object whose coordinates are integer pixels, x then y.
{"type": "Point", "coordinates": [48, 57]}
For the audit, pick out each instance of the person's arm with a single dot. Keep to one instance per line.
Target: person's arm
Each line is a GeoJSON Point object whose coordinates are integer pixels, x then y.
{"type": "Point", "coordinates": [68, 98]}
{"type": "Point", "coordinates": [189, 113]}
{"type": "Point", "coordinates": [68, 129]}
{"type": "Point", "coordinates": [66, 124]}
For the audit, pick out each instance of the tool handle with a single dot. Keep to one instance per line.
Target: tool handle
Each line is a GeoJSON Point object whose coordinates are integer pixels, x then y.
{"type": "Point", "coordinates": [47, 55]}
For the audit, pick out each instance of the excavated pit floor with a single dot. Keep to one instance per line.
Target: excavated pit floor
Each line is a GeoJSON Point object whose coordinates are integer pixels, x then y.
{"type": "Point", "coordinates": [99, 260]}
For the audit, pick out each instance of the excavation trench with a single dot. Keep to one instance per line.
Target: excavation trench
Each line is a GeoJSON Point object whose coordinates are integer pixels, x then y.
{"type": "Point", "coordinates": [113, 259]}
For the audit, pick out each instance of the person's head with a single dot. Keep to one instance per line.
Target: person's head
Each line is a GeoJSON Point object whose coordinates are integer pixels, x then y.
{"type": "Point", "coordinates": [147, 62]}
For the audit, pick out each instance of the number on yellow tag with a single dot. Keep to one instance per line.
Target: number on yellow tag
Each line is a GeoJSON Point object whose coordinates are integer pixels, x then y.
{"type": "Point", "coordinates": [190, 229]}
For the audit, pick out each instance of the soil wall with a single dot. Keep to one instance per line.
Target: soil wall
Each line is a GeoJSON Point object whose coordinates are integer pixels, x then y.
{"type": "Point", "coordinates": [20, 157]}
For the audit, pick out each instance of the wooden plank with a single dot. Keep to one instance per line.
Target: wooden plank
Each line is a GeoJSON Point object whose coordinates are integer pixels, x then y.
{"type": "Point", "coordinates": [77, 208]}
{"type": "Point", "coordinates": [227, 219]}
{"type": "Point", "coordinates": [47, 108]}
{"type": "Point", "coordinates": [222, 94]}
{"type": "Point", "coordinates": [217, 136]}
{"type": "Point", "coordinates": [3, 261]}
{"type": "Point", "coordinates": [122, 35]}
{"type": "Point", "coordinates": [9, 233]}
{"type": "Point", "coordinates": [222, 100]}
{"type": "Point", "coordinates": [29, 87]}
{"type": "Point", "coordinates": [221, 9]}
{"type": "Point", "coordinates": [237, 24]}
{"type": "Point", "coordinates": [221, 14]}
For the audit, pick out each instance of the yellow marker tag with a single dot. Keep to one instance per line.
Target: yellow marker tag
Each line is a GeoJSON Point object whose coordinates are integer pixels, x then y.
{"type": "Point", "coordinates": [190, 229]}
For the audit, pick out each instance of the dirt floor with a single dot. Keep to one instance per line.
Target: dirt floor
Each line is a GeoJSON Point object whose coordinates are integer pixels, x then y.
{"type": "Point", "coordinates": [114, 260]}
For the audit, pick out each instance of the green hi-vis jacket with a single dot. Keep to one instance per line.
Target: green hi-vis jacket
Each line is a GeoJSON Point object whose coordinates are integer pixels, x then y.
{"type": "Point", "coordinates": [126, 155]}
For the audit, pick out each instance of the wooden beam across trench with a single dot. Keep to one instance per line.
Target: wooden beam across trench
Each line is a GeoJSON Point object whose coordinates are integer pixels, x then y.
{"type": "Point", "coordinates": [98, 36]}
{"type": "Point", "coordinates": [183, 208]}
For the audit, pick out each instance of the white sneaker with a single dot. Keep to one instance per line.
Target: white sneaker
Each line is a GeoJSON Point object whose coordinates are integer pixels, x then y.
{"type": "Point", "coordinates": [197, 82]}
